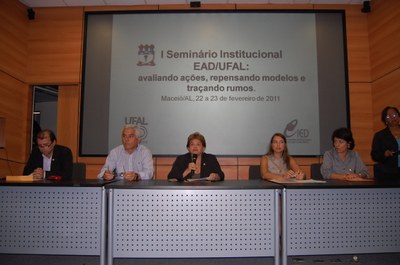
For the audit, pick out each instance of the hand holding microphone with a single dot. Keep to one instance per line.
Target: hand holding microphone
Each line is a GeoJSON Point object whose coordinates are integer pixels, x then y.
{"type": "Point", "coordinates": [194, 159]}
{"type": "Point", "coordinates": [191, 168]}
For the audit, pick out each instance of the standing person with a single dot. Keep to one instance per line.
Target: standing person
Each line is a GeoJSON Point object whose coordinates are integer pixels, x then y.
{"type": "Point", "coordinates": [341, 162]}
{"type": "Point", "coordinates": [196, 163]}
{"type": "Point", "coordinates": [129, 161]}
{"type": "Point", "coordinates": [48, 158]}
{"type": "Point", "coordinates": [277, 163]}
{"type": "Point", "coordinates": [386, 145]}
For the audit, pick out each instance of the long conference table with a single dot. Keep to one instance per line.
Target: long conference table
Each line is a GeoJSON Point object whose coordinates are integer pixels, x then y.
{"type": "Point", "coordinates": [199, 220]}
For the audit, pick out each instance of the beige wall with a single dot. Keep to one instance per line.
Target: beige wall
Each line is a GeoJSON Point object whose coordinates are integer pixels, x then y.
{"type": "Point", "coordinates": [48, 50]}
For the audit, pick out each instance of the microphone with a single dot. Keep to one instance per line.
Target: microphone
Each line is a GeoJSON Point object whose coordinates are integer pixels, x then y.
{"type": "Point", "coordinates": [194, 158]}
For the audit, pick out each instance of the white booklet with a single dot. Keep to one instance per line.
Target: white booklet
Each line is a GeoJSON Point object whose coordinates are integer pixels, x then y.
{"type": "Point", "coordinates": [298, 181]}
{"type": "Point", "coordinates": [199, 179]}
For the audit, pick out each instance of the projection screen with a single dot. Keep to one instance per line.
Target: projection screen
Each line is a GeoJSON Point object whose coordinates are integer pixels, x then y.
{"type": "Point", "coordinates": [237, 77]}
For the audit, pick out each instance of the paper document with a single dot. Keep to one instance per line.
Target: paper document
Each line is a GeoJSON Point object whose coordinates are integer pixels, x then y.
{"type": "Point", "coordinates": [19, 178]}
{"type": "Point", "coordinates": [189, 180]}
{"type": "Point", "coordinates": [298, 181]}
{"type": "Point", "coordinates": [360, 179]}
{"type": "Point", "coordinates": [200, 179]}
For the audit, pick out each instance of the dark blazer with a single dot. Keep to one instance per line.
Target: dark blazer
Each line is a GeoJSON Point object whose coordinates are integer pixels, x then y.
{"type": "Point", "coordinates": [61, 164]}
{"type": "Point", "coordinates": [382, 141]}
{"type": "Point", "coordinates": [209, 164]}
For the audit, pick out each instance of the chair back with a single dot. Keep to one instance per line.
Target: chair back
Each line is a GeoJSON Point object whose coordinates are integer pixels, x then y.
{"type": "Point", "coordinates": [316, 171]}
{"type": "Point", "coordinates": [255, 172]}
{"type": "Point", "coordinates": [79, 171]}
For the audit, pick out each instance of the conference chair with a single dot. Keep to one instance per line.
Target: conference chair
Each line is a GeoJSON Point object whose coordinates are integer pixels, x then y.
{"type": "Point", "coordinates": [316, 171]}
{"type": "Point", "coordinates": [79, 171]}
{"type": "Point", "coordinates": [254, 172]}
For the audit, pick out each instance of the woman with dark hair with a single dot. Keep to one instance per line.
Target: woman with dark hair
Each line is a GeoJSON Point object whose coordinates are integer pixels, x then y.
{"type": "Point", "coordinates": [277, 163]}
{"type": "Point", "coordinates": [386, 145]}
{"type": "Point", "coordinates": [196, 164]}
{"type": "Point", "coordinates": [341, 162]}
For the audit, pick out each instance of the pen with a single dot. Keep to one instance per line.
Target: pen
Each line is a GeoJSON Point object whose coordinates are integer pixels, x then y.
{"type": "Point", "coordinates": [123, 171]}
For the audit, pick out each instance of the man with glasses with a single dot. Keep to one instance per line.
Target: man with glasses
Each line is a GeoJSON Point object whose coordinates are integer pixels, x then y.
{"type": "Point", "coordinates": [129, 161]}
{"type": "Point", "coordinates": [48, 159]}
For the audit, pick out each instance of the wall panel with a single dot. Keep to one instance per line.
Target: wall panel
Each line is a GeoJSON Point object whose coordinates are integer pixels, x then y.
{"type": "Point", "coordinates": [92, 170]}
{"type": "Point", "coordinates": [14, 33]}
{"type": "Point", "coordinates": [358, 56]}
{"type": "Point", "coordinates": [361, 117]}
{"type": "Point", "coordinates": [15, 95]}
{"type": "Point", "coordinates": [15, 107]}
{"type": "Point", "coordinates": [68, 116]}
{"type": "Point", "coordinates": [385, 92]}
{"type": "Point", "coordinates": [384, 31]}
{"type": "Point", "coordinates": [55, 46]}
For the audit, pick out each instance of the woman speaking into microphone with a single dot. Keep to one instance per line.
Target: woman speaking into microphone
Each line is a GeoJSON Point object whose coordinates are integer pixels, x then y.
{"type": "Point", "coordinates": [196, 164]}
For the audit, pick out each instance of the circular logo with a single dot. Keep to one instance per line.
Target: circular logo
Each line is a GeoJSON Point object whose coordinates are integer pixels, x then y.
{"type": "Point", "coordinates": [143, 132]}
{"type": "Point", "coordinates": [290, 128]}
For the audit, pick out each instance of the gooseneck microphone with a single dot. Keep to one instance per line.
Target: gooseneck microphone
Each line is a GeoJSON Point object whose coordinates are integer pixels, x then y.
{"type": "Point", "coordinates": [194, 158]}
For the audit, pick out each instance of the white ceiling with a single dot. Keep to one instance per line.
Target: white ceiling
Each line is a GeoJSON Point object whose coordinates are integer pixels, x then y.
{"type": "Point", "coordinates": [66, 3]}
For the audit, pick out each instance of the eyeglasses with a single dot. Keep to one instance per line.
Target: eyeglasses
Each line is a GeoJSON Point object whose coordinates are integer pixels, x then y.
{"type": "Point", "coordinates": [394, 115]}
{"type": "Point", "coordinates": [44, 146]}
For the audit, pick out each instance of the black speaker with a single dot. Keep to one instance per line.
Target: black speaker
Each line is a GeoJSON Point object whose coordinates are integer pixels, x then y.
{"type": "Point", "coordinates": [366, 7]}
{"type": "Point", "coordinates": [31, 14]}
{"type": "Point", "coordinates": [195, 4]}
